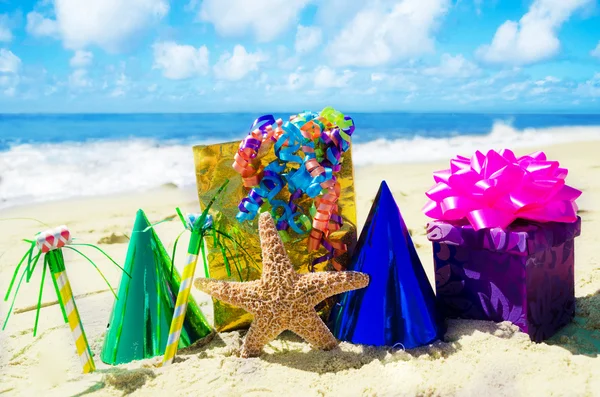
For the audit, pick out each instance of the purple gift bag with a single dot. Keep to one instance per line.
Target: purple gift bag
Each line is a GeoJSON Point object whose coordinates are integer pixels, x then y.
{"type": "Point", "coordinates": [522, 274]}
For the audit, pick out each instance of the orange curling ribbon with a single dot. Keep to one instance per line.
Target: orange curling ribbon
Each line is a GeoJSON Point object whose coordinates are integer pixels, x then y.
{"type": "Point", "coordinates": [325, 222]}
{"type": "Point", "coordinates": [257, 143]}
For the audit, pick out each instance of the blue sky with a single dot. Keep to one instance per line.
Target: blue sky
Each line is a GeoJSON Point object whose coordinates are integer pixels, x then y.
{"type": "Point", "coordinates": [240, 55]}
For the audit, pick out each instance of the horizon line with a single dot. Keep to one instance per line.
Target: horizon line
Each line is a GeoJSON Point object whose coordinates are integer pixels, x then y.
{"type": "Point", "coordinates": [505, 112]}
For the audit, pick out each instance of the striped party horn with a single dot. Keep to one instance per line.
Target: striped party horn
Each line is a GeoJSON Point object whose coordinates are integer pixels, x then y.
{"type": "Point", "coordinates": [49, 245]}
{"type": "Point", "coordinates": [199, 226]}
{"type": "Point", "coordinates": [194, 223]}
{"type": "Point", "coordinates": [65, 297]}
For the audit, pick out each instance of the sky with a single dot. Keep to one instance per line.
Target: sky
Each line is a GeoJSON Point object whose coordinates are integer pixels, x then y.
{"type": "Point", "coordinates": [525, 56]}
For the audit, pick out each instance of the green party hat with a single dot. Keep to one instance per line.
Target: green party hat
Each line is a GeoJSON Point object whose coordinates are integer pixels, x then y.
{"type": "Point", "coordinates": [141, 316]}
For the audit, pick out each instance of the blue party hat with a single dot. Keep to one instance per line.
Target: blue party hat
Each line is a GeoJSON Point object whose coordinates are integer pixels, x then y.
{"type": "Point", "coordinates": [398, 306]}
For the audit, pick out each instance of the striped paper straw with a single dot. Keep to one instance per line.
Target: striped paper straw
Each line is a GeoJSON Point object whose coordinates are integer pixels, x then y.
{"type": "Point", "coordinates": [81, 343]}
{"type": "Point", "coordinates": [181, 306]}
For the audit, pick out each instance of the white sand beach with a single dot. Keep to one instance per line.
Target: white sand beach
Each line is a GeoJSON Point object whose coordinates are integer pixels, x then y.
{"type": "Point", "coordinates": [475, 358]}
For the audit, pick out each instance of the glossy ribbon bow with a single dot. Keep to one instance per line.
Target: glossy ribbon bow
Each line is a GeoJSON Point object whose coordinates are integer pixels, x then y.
{"type": "Point", "coordinates": [495, 189]}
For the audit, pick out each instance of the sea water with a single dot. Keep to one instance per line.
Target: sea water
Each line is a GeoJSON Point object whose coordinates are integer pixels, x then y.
{"type": "Point", "coordinates": [48, 157]}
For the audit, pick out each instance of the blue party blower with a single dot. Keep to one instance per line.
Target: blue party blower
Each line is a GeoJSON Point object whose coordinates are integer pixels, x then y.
{"type": "Point", "coordinates": [398, 307]}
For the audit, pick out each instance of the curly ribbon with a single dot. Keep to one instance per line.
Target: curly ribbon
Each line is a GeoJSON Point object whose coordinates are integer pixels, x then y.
{"type": "Point", "coordinates": [495, 189]}
{"type": "Point", "coordinates": [50, 243]}
{"type": "Point", "coordinates": [309, 149]}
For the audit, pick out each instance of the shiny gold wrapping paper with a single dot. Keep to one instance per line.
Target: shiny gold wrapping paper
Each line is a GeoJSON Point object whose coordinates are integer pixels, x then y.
{"type": "Point", "coordinates": [213, 167]}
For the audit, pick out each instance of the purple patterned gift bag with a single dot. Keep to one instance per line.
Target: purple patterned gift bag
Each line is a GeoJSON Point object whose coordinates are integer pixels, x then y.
{"type": "Point", "coordinates": [522, 274]}
{"type": "Point", "coordinates": [503, 240]}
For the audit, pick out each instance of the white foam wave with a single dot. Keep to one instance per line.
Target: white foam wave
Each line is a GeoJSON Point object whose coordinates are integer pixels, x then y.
{"type": "Point", "coordinates": [56, 171]}
{"type": "Point", "coordinates": [419, 149]}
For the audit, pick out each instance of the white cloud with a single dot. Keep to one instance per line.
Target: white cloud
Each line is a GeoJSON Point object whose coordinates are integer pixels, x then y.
{"type": "Point", "coordinates": [152, 87]}
{"type": "Point", "coordinates": [590, 88]}
{"type": "Point", "coordinates": [540, 90]}
{"type": "Point", "coordinates": [397, 80]}
{"type": "Point", "coordinates": [410, 97]}
{"type": "Point", "coordinates": [109, 24]}
{"type": "Point", "coordinates": [9, 62]}
{"type": "Point", "coordinates": [502, 76]}
{"type": "Point", "coordinates": [266, 19]}
{"type": "Point", "coordinates": [237, 65]}
{"type": "Point", "coordinates": [453, 67]}
{"type": "Point", "coordinates": [50, 89]}
{"type": "Point", "coordinates": [296, 80]}
{"type": "Point", "coordinates": [534, 37]}
{"type": "Point", "coordinates": [79, 79]}
{"type": "Point", "coordinates": [121, 86]}
{"type": "Point", "coordinates": [117, 92]}
{"type": "Point", "coordinates": [307, 38]}
{"type": "Point", "coordinates": [315, 81]}
{"type": "Point", "coordinates": [384, 31]}
{"type": "Point", "coordinates": [10, 91]}
{"type": "Point", "coordinates": [81, 58]}
{"type": "Point", "coordinates": [5, 33]}
{"type": "Point", "coordinates": [9, 83]}
{"type": "Point", "coordinates": [180, 61]}
{"type": "Point", "coordinates": [331, 14]}
{"type": "Point", "coordinates": [547, 80]}
{"type": "Point", "coordinates": [286, 59]}
{"type": "Point", "coordinates": [327, 78]}
{"type": "Point", "coordinates": [596, 51]}
{"type": "Point", "coordinates": [516, 87]}
{"type": "Point", "coordinates": [39, 26]}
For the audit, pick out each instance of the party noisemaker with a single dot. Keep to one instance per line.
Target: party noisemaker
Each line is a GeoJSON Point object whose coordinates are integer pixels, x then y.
{"type": "Point", "coordinates": [200, 226]}
{"type": "Point", "coordinates": [50, 244]}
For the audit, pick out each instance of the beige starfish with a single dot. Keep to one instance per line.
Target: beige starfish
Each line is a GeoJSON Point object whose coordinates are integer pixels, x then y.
{"type": "Point", "coordinates": [282, 299]}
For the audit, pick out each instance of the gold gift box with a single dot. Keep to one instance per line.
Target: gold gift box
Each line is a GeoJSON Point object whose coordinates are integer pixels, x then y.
{"type": "Point", "coordinates": [213, 168]}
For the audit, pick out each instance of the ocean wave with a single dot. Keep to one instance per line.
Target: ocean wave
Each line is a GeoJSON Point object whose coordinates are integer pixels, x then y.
{"type": "Point", "coordinates": [44, 172]}
{"type": "Point", "coordinates": [56, 171]}
{"type": "Point", "coordinates": [502, 135]}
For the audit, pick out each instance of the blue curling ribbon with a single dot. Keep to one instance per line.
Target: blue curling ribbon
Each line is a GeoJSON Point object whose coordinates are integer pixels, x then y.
{"type": "Point", "coordinates": [287, 211]}
{"type": "Point", "coordinates": [266, 121]}
{"type": "Point", "coordinates": [305, 117]}
{"type": "Point", "coordinates": [331, 156]}
{"type": "Point", "coordinates": [299, 179]}
{"type": "Point", "coordinates": [248, 210]}
{"type": "Point", "coordinates": [191, 220]}
{"type": "Point", "coordinates": [311, 186]}
{"type": "Point", "coordinates": [270, 185]}
{"type": "Point", "coordinates": [293, 137]}
{"type": "Point", "coordinates": [288, 217]}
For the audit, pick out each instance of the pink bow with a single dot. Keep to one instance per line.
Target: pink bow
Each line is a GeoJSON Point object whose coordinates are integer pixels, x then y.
{"type": "Point", "coordinates": [494, 190]}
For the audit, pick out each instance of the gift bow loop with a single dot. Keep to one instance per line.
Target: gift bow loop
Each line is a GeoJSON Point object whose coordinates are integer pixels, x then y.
{"type": "Point", "coordinates": [494, 189]}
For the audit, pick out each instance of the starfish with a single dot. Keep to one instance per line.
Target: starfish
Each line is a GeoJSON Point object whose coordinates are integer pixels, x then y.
{"type": "Point", "coordinates": [282, 299]}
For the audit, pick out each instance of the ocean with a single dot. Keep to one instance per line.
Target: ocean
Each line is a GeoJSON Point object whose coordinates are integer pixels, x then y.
{"type": "Point", "coordinates": [56, 156]}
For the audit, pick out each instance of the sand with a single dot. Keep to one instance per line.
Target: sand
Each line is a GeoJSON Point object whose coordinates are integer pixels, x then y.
{"type": "Point", "coordinates": [475, 358]}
